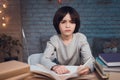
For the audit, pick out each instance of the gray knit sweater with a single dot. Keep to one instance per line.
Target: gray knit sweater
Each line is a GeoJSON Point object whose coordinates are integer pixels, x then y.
{"type": "Point", "coordinates": [75, 53]}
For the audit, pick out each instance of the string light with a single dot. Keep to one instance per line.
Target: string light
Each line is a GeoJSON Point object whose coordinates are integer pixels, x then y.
{"type": "Point", "coordinates": [0, 11]}
{"type": "Point", "coordinates": [4, 24]}
{"type": "Point", "coordinates": [3, 6]}
{"type": "Point", "coordinates": [3, 18]}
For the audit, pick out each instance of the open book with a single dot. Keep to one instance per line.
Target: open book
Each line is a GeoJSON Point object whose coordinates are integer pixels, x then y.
{"type": "Point", "coordinates": [40, 69]}
{"type": "Point", "coordinates": [45, 73]}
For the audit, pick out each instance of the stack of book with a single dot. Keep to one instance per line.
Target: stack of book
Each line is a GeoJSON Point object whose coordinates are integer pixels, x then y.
{"type": "Point", "coordinates": [106, 63]}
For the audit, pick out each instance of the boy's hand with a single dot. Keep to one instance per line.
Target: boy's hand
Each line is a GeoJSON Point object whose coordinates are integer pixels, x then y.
{"type": "Point", "coordinates": [83, 70]}
{"type": "Point", "coordinates": [60, 69]}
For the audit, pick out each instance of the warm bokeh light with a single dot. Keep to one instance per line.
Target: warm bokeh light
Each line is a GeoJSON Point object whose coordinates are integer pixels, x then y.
{"type": "Point", "coordinates": [4, 6]}
{"type": "Point", "coordinates": [3, 18]}
{"type": "Point", "coordinates": [0, 11]}
{"type": "Point", "coordinates": [59, 1]}
{"type": "Point", "coordinates": [4, 24]}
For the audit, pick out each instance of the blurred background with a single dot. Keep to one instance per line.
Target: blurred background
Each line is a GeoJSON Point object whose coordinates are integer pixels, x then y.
{"type": "Point", "coordinates": [30, 22]}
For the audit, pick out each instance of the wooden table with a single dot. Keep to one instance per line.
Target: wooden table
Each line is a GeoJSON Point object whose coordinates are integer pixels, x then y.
{"type": "Point", "coordinates": [91, 76]}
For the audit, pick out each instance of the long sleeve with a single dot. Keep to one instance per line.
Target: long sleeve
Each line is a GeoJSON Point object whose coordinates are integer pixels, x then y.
{"type": "Point", "coordinates": [86, 53]}
{"type": "Point", "coordinates": [48, 56]}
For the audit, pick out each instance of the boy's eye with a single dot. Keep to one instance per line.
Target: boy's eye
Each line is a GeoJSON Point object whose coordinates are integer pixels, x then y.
{"type": "Point", "coordinates": [72, 21]}
{"type": "Point", "coordinates": [63, 21]}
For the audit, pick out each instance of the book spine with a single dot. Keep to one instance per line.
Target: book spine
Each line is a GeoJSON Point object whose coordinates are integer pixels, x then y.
{"type": "Point", "coordinates": [100, 68]}
{"type": "Point", "coordinates": [105, 76]}
{"type": "Point", "coordinates": [102, 60]}
{"type": "Point", "coordinates": [101, 65]}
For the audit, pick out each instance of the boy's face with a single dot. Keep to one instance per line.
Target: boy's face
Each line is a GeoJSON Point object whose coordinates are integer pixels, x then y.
{"type": "Point", "coordinates": [67, 26]}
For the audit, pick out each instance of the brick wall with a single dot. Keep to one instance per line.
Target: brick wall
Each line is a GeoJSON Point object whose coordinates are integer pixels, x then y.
{"type": "Point", "coordinates": [99, 18]}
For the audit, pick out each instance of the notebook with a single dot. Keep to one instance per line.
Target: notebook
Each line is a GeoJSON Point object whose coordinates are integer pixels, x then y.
{"type": "Point", "coordinates": [111, 59]}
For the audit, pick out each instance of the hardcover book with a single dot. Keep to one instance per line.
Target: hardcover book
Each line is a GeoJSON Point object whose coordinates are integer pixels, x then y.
{"type": "Point", "coordinates": [111, 59]}
{"type": "Point", "coordinates": [104, 68]}
{"type": "Point", "coordinates": [13, 68]}
{"type": "Point", "coordinates": [104, 76]}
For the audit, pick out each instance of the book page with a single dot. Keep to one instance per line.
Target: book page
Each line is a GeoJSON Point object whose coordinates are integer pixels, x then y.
{"type": "Point", "coordinates": [69, 76]}
{"type": "Point", "coordinates": [72, 73]}
{"type": "Point", "coordinates": [39, 68]}
{"type": "Point", "coordinates": [72, 69]}
{"type": "Point", "coordinates": [43, 69]}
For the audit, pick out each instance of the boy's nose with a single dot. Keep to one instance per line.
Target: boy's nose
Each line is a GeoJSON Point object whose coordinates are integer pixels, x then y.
{"type": "Point", "coordinates": [67, 25]}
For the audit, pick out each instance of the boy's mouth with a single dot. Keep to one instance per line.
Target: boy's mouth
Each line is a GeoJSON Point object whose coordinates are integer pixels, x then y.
{"type": "Point", "coordinates": [67, 30]}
